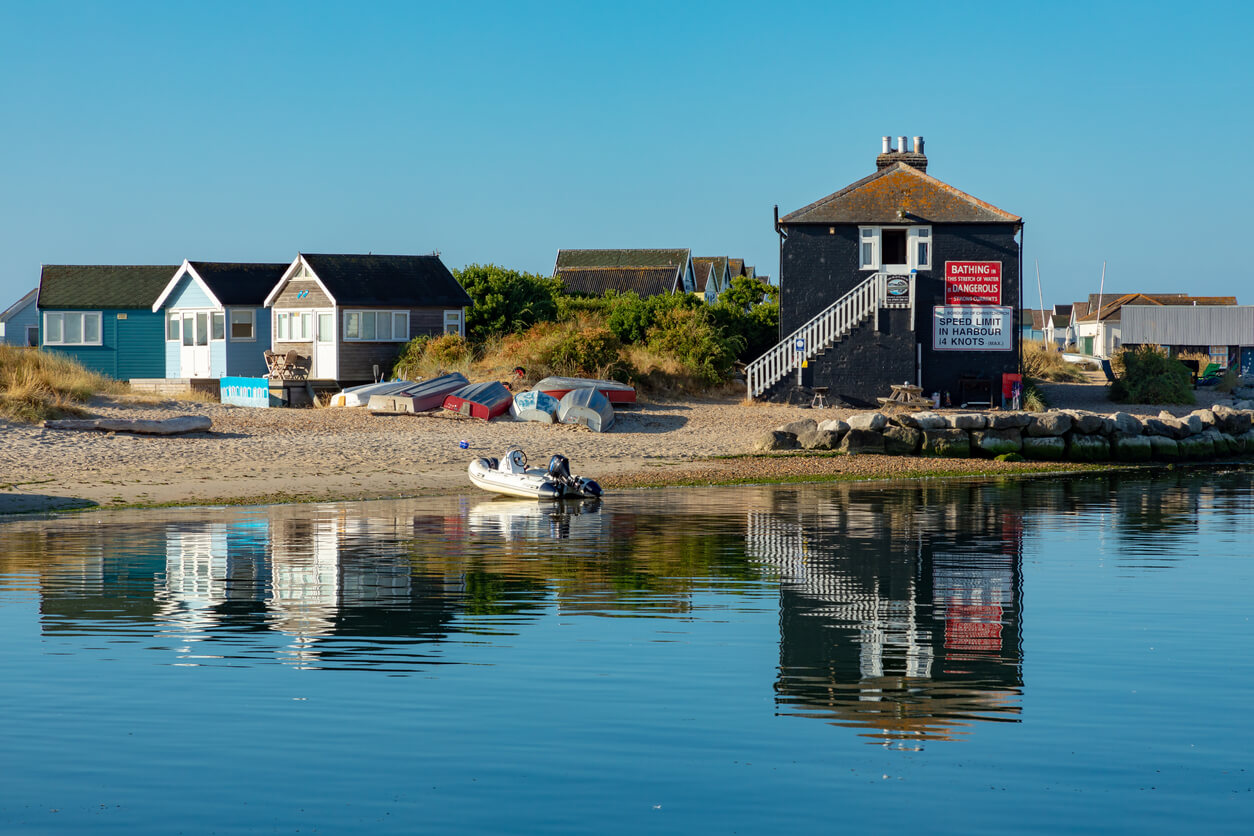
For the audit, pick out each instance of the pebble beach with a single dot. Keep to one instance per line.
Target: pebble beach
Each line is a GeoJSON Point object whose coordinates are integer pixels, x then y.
{"type": "Point", "coordinates": [257, 456]}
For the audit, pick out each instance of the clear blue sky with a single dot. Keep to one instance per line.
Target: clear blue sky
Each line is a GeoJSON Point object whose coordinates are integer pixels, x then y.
{"type": "Point", "coordinates": [149, 133]}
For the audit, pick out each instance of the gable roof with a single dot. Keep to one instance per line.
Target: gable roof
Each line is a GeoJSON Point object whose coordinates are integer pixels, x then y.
{"type": "Point", "coordinates": [718, 263]}
{"type": "Point", "coordinates": [736, 267]}
{"type": "Point", "coordinates": [621, 258]}
{"type": "Point", "coordinates": [102, 286]}
{"type": "Point", "coordinates": [1035, 317]}
{"type": "Point", "coordinates": [227, 283]}
{"type": "Point", "coordinates": [386, 281]}
{"type": "Point", "coordinates": [1079, 309]}
{"type": "Point", "coordinates": [895, 193]}
{"type": "Point", "coordinates": [17, 307]}
{"type": "Point", "coordinates": [703, 272]}
{"type": "Point", "coordinates": [644, 281]}
{"type": "Point", "coordinates": [1059, 321]}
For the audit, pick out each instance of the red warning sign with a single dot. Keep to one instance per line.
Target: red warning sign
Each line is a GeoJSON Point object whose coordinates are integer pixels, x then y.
{"type": "Point", "coordinates": [972, 282]}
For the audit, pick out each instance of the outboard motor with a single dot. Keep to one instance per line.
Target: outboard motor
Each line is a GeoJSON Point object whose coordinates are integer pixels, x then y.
{"type": "Point", "coordinates": [559, 468]}
{"type": "Point", "coordinates": [588, 488]}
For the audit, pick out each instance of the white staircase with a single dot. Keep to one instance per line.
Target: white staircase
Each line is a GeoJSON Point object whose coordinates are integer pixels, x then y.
{"type": "Point", "coordinates": [833, 323]}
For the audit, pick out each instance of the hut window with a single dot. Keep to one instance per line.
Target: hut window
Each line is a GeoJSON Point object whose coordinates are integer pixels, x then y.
{"type": "Point", "coordinates": [376, 326]}
{"type": "Point", "coordinates": [282, 326]}
{"type": "Point", "coordinates": [868, 238]}
{"type": "Point", "coordinates": [243, 325]}
{"type": "Point", "coordinates": [172, 322]}
{"type": "Point", "coordinates": [72, 328]}
{"type": "Point", "coordinates": [453, 322]}
{"type": "Point", "coordinates": [218, 320]}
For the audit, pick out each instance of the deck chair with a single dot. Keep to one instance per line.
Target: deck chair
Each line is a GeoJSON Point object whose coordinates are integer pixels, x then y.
{"type": "Point", "coordinates": [296, 366]}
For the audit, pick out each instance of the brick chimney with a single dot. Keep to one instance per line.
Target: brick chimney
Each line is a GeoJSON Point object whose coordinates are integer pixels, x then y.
{"type": "Point", "coordinates": [901, 154]}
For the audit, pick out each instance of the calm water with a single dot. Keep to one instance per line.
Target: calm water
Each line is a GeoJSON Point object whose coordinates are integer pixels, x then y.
{"type": "Point", "coordinates": [988, 657]}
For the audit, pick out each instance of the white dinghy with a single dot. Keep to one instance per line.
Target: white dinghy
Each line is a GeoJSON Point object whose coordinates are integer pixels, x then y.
{"type": "Point", "coordinates": [512, 477]}
{"type": "Point", "coordinates": [534, 406]}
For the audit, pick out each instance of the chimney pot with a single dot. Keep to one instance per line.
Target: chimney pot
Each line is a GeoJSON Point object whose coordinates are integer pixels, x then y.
{"type": "Point", "coordinates": [918, 145]}
{"type": "Point", "coordinates": [888, 145]}
{"type": "Point", "coordinates": [901, 145]}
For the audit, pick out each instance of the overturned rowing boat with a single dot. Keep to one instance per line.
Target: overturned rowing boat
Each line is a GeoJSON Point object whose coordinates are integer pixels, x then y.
{"type": "Point", "coordinates": [587, 407]}
{"type": "Point", "coordinates": [512, 477]}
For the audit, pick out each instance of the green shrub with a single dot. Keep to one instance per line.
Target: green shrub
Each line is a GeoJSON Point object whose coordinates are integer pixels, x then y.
{"type": "Point", "coordinates": [629, 317]}
{"type": "Point", "coordinates": [589, 351]}
{"type": "Point", "coordinates": [1150, 376]}
{"type": "Point", "coordinates": [757, 327]}
{"type": "Point", "coordinates": [691, 337]}
{"type": "Point", "coordinates": [427, 356]}
{"type": "Point", "coordinates": [505, 301]}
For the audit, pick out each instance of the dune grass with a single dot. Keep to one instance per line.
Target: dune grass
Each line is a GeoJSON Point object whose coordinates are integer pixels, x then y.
{"type": "Point", "coordinates": [37, 385]}
{"type": "Point", "coordinates": [1042, 361]}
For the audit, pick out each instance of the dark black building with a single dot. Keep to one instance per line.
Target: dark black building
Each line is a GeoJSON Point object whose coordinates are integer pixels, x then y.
{"type": "Point", "coordinates": [897, 278]}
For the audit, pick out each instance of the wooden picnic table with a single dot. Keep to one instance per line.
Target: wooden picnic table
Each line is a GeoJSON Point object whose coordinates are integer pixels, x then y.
{"type": "Point", "coordinates": [905, 394]}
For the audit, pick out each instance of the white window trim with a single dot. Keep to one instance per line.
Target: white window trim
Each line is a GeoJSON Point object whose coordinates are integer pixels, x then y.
{"type": "Point", "coordinates": [871, 235]}
{"type": "Point", "coordinates": [389, 313]}
{"type": "Point", "coordinates": [83, 318]}
{"type": "Point", "coordinates": [252, 317]}
{"type": "Point", "coordinates": [455, 317]}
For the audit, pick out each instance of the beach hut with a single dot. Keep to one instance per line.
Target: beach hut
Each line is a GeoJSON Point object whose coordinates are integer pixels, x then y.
{"type": "Point", "coordinates": [19, 324]}
{"type": "Point", "coordinates": [102, 316]}
{"type": "Point", "coordinates": [216, 323]}
{"type": "Point", "coordinates": [352, 314]}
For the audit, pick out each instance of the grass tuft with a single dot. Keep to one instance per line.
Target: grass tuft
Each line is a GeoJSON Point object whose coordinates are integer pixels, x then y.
{"type": "Point", "coordinates": [37, 385]}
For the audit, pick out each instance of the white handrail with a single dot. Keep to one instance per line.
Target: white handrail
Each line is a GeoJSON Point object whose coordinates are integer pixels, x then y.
{"type": "Point", "coordinates": [831, 324]}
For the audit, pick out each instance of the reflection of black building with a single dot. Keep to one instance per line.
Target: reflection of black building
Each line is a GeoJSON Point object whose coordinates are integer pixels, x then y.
{"type": "Point", "coordinates": [898, 612]}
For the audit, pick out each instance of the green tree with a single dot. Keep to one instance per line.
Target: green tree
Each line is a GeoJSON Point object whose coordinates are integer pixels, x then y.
{"type": "Point", "coordinates": [745, 292]}
{"type": "Point", "coordinates": [505, 301]}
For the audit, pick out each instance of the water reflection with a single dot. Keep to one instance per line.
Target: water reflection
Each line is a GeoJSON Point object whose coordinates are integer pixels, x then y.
{"type": "Point", "coordinates": [900, 609]}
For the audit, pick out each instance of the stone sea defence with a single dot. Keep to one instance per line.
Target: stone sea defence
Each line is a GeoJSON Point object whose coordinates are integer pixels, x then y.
{"type": "Point", "coordinates": [1057, 435]}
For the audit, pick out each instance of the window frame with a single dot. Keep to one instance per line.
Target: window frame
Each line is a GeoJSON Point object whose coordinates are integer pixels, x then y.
{"type": "Point", "coordinates": [915, 236]}
{"type": "Point", "coordinates": [83, 317]}
{"type": "Point", "coordinates": [457, 318]}
{"type": "Point", "coordinates": [389, 316]}
{"type": "Point", "coordinates": [252, 325]}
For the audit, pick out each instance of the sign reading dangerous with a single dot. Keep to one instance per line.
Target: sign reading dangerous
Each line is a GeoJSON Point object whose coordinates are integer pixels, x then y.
{"type": "Point", "coordinates": [972, 282]}
{"type": "Point", "coordinates": [971, 328]}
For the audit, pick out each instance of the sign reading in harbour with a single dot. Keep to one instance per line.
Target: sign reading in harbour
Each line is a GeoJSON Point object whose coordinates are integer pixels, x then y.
{"type": "Point", "coordinates": [972, 282]}
{"type": "Point", "coordinates": [971, 327]}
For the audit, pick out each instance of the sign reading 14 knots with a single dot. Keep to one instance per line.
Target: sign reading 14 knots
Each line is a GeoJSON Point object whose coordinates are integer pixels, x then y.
{"type": "Point", "coordinates": [972, 282]}
{"type": "Point", "coordinates": [971, 328]}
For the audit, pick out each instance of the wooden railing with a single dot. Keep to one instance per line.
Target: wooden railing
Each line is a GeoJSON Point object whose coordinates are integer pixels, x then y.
{"type": "Point", "coordinates": [830, 325]}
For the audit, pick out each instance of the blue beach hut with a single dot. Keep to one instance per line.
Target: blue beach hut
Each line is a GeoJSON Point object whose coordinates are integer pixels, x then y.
{"type": "Point", "coordinates": [101, 315]}
{"type": "Point", "coordinates": [19, 324]}
{"type": "Point", "coordinates": [216, 324]}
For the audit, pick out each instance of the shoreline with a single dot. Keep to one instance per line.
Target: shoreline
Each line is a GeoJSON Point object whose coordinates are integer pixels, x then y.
{"type": "Point", "coordinates": [281, 456]}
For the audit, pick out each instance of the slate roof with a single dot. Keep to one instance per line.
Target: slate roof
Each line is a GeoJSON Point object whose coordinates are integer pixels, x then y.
{"type": "Point", "coordinates": [700, 265]}
{"type": "Point", "coordinates": [102, 286]}
{"type": "Point", "coordinates": [1035, 317]}
{"type": "Point", "coordinates": [17, 306]}
{"type": "Point", "coordinates": [237, 283]}
{"type": "Point", "coordinates": [736, 267]}
{"type": "Point", "coordinates": [620, 258]}
{"type": "Point", "coordinates": [880, 197]}
{"type": "Point", "coordinates": [703, 270]}
{"type": "Point", "coordinates": [1059, 321]}
{"type": "Point", "coordinates": [388, 281]}
{"type": "Point", "coordinates": [644, 281]}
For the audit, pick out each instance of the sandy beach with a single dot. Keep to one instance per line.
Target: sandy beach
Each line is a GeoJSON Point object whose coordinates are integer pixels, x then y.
{"type": "Point", "coordinates": [281, 455]}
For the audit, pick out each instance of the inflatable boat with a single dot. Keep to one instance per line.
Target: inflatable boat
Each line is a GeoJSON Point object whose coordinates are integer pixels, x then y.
{"type": "Point", "coordinates": [512, 477]}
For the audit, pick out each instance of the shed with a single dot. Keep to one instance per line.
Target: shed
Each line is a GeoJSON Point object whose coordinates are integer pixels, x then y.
{"type": "Point", "coordinates": [352, 313]}
{"type": "Point", "coordinates": [216, 323]}
{"type": "Point", "coordinates": [19, 324]}
{"type": "Point", "coordinates": [102, 316]}
{"type": "Point", "coordinates": [1224, 332]}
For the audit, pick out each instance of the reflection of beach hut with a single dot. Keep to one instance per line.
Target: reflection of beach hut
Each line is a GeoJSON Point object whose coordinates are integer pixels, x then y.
{"type": "Point", "coordinates": [215, 319]}
{"type": "Point", "coordinates": [101, 315]}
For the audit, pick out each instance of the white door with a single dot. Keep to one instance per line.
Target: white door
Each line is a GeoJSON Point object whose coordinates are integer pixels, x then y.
{"type": "Point", "coordinates": [324, 361]}
{"type": "Point", "coordinates": [194, 353]}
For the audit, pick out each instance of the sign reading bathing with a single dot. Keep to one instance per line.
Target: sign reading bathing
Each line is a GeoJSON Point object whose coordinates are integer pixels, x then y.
{"type": "Point", "coordinates": [971, 328]}
{"type": "Point", "coordinates": [972, 282]}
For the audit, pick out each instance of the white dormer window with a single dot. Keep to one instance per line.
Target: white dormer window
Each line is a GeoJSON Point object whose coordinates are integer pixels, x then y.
{"type": "Point", "coordinates": [895, 248]}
